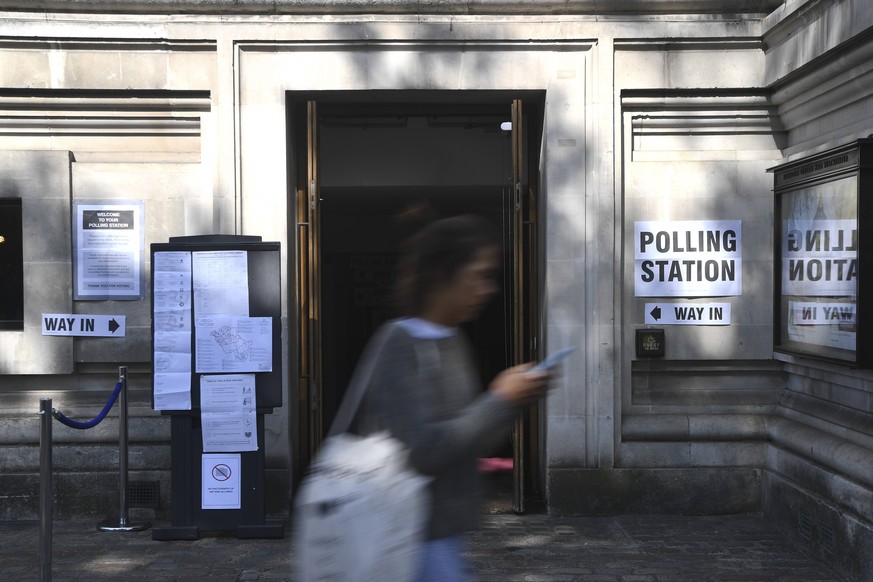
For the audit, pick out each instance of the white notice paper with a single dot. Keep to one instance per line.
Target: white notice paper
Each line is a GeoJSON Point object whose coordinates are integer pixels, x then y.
{"type": "Point", "coordinates": [228, 413]}
{"type": "Point", "coordinates": [221, 482]}
{"type": "Point", "coordinates": [171, 315]}
{"type": "Point", "coordinates": [234, 344]}
{"type": "Point", "coordinates": [221, 283]}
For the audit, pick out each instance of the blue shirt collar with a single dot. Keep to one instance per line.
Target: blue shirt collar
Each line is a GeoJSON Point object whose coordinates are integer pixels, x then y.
{"type": "Point", "coordinates": [423, 329]}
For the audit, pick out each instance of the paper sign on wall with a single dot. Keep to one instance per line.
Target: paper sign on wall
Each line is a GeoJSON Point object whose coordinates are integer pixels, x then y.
{"type": "Point", "coordinates": [693, 258]}
{"type": "Point", "coordinates": [71, 324]}
{"type": "Point", "coordinates": [688, 313]}
{"type": "Point", "coordinates": [108, 242]}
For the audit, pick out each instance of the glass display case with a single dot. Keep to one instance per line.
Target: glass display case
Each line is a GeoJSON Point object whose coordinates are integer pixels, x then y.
{"type": "Point", "coordinates": [822, 273]}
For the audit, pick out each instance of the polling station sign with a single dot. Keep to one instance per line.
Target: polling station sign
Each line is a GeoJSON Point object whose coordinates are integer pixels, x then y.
{"type": "Point", "coordinates": [820, 258]}
{"type": "Point", "coordinates": [108, 246]}
{"type": "Point", "coordinates": [688, 258]}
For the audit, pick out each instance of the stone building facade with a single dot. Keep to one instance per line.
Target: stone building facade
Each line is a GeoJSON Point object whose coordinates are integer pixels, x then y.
{"type": "Point", "coordinates": [630, 115]}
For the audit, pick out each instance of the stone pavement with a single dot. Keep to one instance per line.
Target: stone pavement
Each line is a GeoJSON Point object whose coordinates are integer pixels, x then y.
{"type": "Point", "coordinates": [507, 548]}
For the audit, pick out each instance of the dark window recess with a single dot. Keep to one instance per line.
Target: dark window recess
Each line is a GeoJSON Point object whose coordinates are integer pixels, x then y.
{"type": "Point", "coordinates": [11, 265]}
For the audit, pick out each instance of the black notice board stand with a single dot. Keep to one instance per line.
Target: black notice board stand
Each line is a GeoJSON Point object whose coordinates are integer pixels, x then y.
{"type": "Point", "coordinates": [188, 518]}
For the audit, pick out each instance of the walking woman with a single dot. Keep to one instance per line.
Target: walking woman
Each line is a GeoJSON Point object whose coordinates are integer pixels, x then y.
{"type": "Point", "coordinates": [424, 388]}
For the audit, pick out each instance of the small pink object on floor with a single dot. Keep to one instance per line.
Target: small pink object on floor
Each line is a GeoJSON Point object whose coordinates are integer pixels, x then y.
{"type": "Point", "coordinates": [495, 464]}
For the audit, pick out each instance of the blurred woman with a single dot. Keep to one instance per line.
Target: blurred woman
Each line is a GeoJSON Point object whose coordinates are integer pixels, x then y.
{"type": "Point", "coordinates": [424, 388]}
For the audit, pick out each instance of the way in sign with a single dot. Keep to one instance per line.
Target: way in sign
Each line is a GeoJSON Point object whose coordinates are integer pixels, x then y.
{"type": "Point", "coordinates": [814, 313]}
{"type": "Point", "coordinates": [688, 313]}
{"type": "Point", "coordinates": [68, 324]}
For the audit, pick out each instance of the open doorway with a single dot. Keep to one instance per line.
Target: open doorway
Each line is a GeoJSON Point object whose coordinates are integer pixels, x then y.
{"type": "Point", "coordinates": [371, 157]}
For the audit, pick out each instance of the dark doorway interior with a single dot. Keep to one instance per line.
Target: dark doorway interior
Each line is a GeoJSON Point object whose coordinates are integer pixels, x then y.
{"type": "Point", "coordinates": [371, 176]}
{"type": "Point", "coordinates": [358, 279]}
{"type": "Point", "coordinates": [376, 160]}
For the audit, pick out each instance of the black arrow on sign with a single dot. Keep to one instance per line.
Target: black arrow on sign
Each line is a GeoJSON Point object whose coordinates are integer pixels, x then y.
{"type": "Point", "coordinates": [113, 325]}
{"type": "Point", "coordinates": [656, 312]}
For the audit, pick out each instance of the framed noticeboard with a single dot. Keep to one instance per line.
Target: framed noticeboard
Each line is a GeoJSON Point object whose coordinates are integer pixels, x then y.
{"type": "Point", "coordinates": [824, 205]}
{"type": "Point", "coordinates": [216, 309]}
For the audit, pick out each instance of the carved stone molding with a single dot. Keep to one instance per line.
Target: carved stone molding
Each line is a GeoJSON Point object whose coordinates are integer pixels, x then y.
{"type": "Point", "coordinates": [559, 7]}
{"type": "Point", "coordinates": [699, 121]}
{"type": "Point", "coordinates": [100, 112]}
{"type": "Point", "coordinates": [85, 121]}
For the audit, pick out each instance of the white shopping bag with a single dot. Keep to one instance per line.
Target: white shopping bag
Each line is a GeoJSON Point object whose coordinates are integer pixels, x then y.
{"type": "Point", "coordinates": [360, 515]}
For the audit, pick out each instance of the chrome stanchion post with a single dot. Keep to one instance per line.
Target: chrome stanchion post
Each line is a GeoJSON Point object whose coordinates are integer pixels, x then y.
{"type": "Point", "coordinates": [46, 496]}
{"type": "Point", "coordinates": [122, 523]}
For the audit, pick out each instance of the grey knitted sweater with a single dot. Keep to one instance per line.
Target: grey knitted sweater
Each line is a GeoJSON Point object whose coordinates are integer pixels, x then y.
{"type": "Point", "coordinates": [425, 392]}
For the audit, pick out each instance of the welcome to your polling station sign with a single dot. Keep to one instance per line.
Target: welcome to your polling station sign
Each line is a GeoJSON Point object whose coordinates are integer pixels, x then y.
{"type": "Point", "coordinates": [689, 258]}
{"type": "Point", "coordinates": [108, 250]}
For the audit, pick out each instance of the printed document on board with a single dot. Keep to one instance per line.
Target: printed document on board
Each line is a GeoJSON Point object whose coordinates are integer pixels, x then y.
{"type": "Point", "coordinates": [171, 313]}
{"type": "Point", "coordinates": [228, 413]}
{"type": "Point", "coordinates": [234, 344]}
{"type": "Point", "coordinates": [221, 482]}
{"type": "Point", "coordinates": [221, 283]}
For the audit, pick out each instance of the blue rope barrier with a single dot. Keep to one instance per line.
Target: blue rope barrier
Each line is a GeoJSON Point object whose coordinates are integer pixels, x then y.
{"type": "Point", "coordinates": [96, 420]}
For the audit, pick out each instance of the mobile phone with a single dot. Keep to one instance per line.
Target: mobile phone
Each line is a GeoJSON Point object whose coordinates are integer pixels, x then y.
{"type": "Point", "coordinates": [553, 360]}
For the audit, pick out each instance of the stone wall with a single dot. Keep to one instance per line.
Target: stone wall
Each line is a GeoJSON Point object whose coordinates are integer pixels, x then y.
{"type": "Point", "coordinates": [97, 120]}
{"type": "Point", "coordinates": [818, 483]}
{"type": "Point", "coordinates": [658, 111]}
